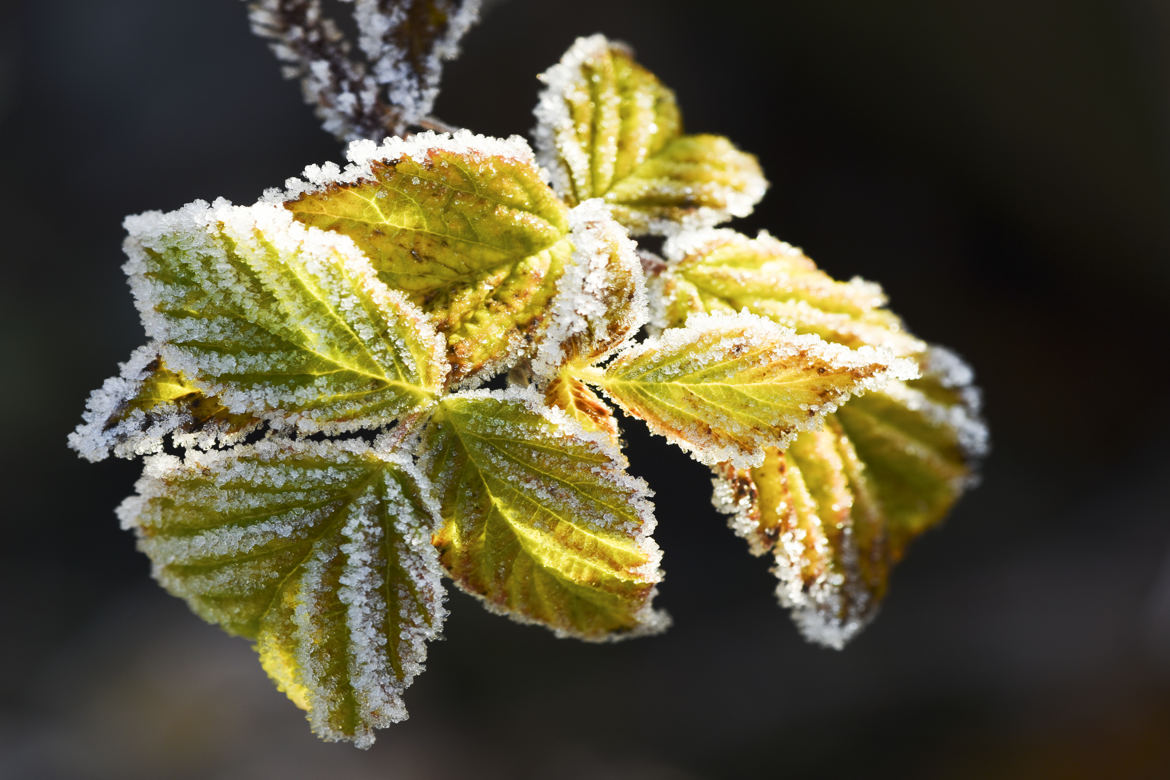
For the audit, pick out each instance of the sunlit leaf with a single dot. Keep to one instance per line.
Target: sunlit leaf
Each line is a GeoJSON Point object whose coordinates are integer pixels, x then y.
{"type": "Point", "coordinates": [464, 225]}
{"type": "Point", "coordinates": [541, 520]}
{"type": "Point", "coordinates": [279, 320]}
{"type": "Point", "coordinates": [607, 128]}
{"type": "Point", "coordinates": [838, 507]}
{"type": "Point", "coordinates": [318, 551]}
{"type": "Point", "coordinates": [726, 386]}
{"type": "Point", "coordinates": [721, 271]}
{"type": "Point", "coordinates": [131, 414]}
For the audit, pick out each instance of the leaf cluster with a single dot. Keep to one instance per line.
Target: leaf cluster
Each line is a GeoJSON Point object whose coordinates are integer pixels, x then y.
{"type": "Point", "coordinates": [322, 449]}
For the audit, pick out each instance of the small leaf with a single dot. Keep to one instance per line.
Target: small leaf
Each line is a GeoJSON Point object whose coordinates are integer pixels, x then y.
{"type": "Point", "coordinates": [722, 272]}
{"type": "Point", "coordinates": [575, 399]}
{"type": "Point", "coordinates": [839, 506]}
{"type": "Point", "coordinates": [607, 128]}
{"type": "Point", "coordinates": [278, 320]}
{"type": "Point", "coordinates": [464, 225]}
{"type": "Point", "coordinates": [132, 413]}
{"type": "Point", "coordinates": [319, 551]}
{"type": "Point", "coordinates": [726, 386]}
{"type": "Point", "coordinates": [541, 520]}
{"type": "Point", "coordinates": [600, 300]}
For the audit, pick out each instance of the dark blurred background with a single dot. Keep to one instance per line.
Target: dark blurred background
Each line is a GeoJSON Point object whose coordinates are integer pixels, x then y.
{"type": "Point", "coordinates": [1002, 168]}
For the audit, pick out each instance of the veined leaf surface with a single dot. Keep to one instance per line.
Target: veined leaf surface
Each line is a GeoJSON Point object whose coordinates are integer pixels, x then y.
{"type": "Point", "coordinates": [464, 225]}
{"type": "Point", "coordinates": [280, 320]}
{"type": "Point", "coordinates": [318, 551]}
{"type": "Point", "coordinates": [839, 506]}
{"type": "Point", "coordinates": [722, 272]}
{"type": "Point", "coordinates": [132, 413]}
{"type": "Point", "coordinates": [726, 386]}
{"type": "Point", "coordinates": [607, 128]}
{"type": "Point", "coordinates": [540, 519]}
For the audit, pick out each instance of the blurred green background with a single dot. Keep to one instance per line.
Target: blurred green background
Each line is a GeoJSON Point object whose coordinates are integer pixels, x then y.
{"type": "Point", "coordinates": [1002, 168]}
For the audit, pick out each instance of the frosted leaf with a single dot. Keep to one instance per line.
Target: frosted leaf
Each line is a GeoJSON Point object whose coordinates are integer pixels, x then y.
{"type": "Point", "coordinates": [600, 300]}
{"type": "Point", "coordinates": [278, 320]}
{"type": "Point", "coordinates": [607, 128]}
{"type": "Point", "coordinates": [318, 551]}
{"type": "Point", "coordinates": [132, 414]}
{"type": "Point", "coordinates": [464, 225]}
{"type": "Point", "coordinates": [839, 506]}
{"type": "Point", "coordinates": [406, 42]}
{"type": "Point", "coordinates": [722, 271]}
{"type": "Point", "coordinates": [394, 85]}
{"type": "Point", "coordinates": [541, 520]}
{"type": "Point", "coordinates": [726, 386]}
{"type": "Point", "coordinates": [581, 404]}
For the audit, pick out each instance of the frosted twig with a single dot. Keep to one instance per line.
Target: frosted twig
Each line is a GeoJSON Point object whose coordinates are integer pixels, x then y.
{"type": "Point", "coordinates": [385, 88]}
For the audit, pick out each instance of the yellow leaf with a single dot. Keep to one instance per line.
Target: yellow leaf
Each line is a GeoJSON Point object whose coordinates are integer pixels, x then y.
{"type": "Point", "coordinates": [607, 128]}
{"type": "Point", "coordinates": [726, 386]}
{"type": "Point", "coordinates": [722, 272]}
{"type": "Point", "coordinates": [541, 520]}
{"type": "Point", "coordinates": [464, 225]}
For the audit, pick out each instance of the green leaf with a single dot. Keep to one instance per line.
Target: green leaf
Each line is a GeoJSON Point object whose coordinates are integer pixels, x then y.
{"type": "Point", "coordinates": [541, 520]}
{"type": "Point", "coordinates": [723, 272]}
{"type": "Point", "coordinates": [319, 551]}
{"type": "Point", "coordinates": [607, 128]}
{"type": "Point", "coordinates": [131, 414]}
{"type": "Point", "coordinates": [464, 225]}
{"type": "Point", "coordinates": [838, 507]}
{"type": "Point", "coordinates": [726, 386]}
{"type": "Point", "coordinates": [279, 320]}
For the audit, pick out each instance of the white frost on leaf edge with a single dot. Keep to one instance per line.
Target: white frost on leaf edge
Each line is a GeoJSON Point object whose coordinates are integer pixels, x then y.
{"type": "Point", "coordinates": [554, 135]}
{"type": "Point", "coordinates": [650, 621]}
{"type": "Point", "coordinates": [141, 432]}
{"type": "Point", "coordinates": [953, 373]}
{"type": "Point", "coordinates": [760, 329]}
{"type": "Point", "coordinates": [200, 226]}
{"type": "Point", "coordinates": [579, 306]}
{"type": "Point", "coordinates": [364, 153]}
{"type": "Point", "coordinates": [830, 610]}
{"type": "Point", "coordinates": [691, 242]}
